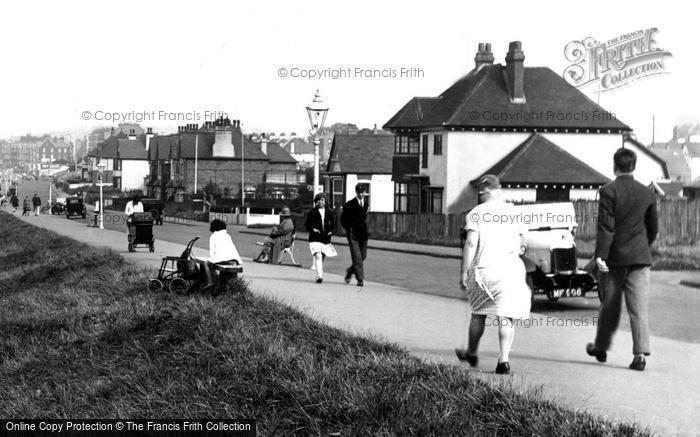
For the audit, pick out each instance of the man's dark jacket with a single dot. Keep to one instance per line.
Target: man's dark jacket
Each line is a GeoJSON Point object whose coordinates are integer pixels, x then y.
{"type": "Point", "coordinates": [36, 201]}
{"type": "Point", "coordinates": [354, 219]}
{"type": "Point", "coordinates": [627, 223]}
{"type": "Point", "coordinates": [326, 229]}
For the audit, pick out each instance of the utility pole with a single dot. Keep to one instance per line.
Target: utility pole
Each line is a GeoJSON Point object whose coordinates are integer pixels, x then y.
{"type": "Point", "coordinates": [196, 155]}
{"type": "Point", "coordinates": [242, 169]}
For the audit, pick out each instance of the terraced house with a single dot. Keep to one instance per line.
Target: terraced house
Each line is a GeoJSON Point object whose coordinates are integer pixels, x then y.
{"type": "Point", "coordinates": [186, 161]}
{"type": "Point", "coordinates": [543, 137]}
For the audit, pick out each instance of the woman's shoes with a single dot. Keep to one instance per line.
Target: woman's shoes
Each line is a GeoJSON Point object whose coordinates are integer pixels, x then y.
{"type": "Point", "coordinates": [462, 354]}
{"type": "Point", "coordinates": [503, 368]}
{"type": "Point", "coordinates": [638, 363]}
{"type": "Point", "coordinates": [319, 280]}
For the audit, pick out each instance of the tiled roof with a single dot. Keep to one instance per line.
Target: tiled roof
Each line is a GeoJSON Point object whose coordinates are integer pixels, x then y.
{"type": "Point", "coordinates": [278, 154]}
{"type": "Point", "coordinates": [678, 167]}
{"type": "Point", "coordinates": [671, 189]}
{"type": "Point", "coordinates": [298, 145]}
{"type": "Point", "coordinates": [362, 153]}
{"type": "Point", "coordinates": [539, 161]}
{"type": "Point", "coordinates": [481, 99]}
{"type": "Point", "coordinates": [132, 149]}
{"type": "Point", "coordinates": [183, 146]}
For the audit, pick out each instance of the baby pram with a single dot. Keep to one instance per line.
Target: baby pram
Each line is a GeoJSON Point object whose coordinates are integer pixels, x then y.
{"type": "Point", "coordinates": [141, 231]}
{"type": "Point", "coordinates": [179, 274]}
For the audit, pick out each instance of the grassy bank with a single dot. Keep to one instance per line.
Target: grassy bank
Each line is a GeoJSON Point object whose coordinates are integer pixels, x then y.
{"type": "Point", "coordinates": [82, 338]}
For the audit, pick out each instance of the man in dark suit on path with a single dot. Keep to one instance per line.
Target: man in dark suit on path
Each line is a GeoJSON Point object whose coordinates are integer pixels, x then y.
{"type": "Point", "coordinates": [353, 219]}
{"type": "Point", "coordinates": [627, 226]}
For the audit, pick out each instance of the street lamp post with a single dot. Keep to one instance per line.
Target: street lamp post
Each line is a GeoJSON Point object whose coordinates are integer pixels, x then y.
{"type": "Point", "coordinates": [317, 112]}
{"type": "Point", "coordinates": [100, 168]}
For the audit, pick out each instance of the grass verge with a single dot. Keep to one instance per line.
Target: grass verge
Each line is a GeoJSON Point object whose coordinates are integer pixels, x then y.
{"type": "Point", "coordinates": [82, 338]}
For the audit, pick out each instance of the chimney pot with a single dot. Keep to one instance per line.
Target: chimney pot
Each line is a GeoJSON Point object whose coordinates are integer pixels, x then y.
{"type": "Point", "coordinates": [515, 72]}
{"type": "Point", "coordinates": [483, 56]}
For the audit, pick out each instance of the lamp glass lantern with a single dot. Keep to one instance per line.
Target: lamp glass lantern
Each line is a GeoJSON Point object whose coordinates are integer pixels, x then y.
{"type": "Point", "coordinates": [317, 112]}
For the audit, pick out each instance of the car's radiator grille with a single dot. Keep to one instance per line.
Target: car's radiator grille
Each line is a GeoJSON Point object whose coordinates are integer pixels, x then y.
{"type": "Point", "coordinates": [563, 259]}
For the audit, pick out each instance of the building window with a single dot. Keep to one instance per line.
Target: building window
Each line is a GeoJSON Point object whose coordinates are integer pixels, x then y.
{"type": "Point", "coordinates": [406, 197]}
{"type": "Point", "coordinates": [336, 193]}
{"type": "Point", "coordinates": [433, 201]}
{"type": "Point", "coordinates": [437, 144]}
{"type": "Point", "coordinates": [407, 144]}
{"type": "Point", "coordinates": [424, 146]}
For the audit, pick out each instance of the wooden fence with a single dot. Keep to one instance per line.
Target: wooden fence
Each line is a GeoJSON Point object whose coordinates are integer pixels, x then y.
{"type": "Point", "coordinates": [679, 223]}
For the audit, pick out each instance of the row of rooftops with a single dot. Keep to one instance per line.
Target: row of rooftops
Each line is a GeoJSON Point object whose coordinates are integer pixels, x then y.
{"type": "Point", "coordinates": [191, 140]}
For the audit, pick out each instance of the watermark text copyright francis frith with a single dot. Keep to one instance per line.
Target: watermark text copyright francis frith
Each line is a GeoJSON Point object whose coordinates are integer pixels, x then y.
{"type": "Point", "coordinates": [151, 115]}
{"type": "Point", "coordinates": [357, 72]}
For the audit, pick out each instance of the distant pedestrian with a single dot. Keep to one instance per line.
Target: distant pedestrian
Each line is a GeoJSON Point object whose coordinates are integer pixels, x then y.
{"type": "Point", "coordinates": [36, 202]}
{"type": "Point", "coordinates": [493, 276]}
{"type": "Point", "coordinates": [320, 223]}
{"type": "Point", "coordinates": [354, 221]}
{"type": "Point", "coordinates": [97, 212]}
{"type": "Point", "coordinates": [26, 205]}
{"type": "Point", "coordinates": [15, 202]}
{"type": "Point", "coordinates": [132, 206]}
{"type": "Point", "coordinates": [627, 226]}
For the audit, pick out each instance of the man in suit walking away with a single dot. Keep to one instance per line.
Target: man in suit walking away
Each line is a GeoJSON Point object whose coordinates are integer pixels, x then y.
{"type": "Point", "coordinates": [353, 219]}
{"type": "Point", "coordinates": [627, 226]}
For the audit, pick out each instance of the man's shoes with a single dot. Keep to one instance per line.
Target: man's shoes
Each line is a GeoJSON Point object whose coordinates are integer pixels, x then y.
{"type": "Point", "coordinates": [462, 354]}
{"type": "Point", "coordinates": [348, 277]}
{"type": "Point", "coordinates": [360, 283]}
{"type": "Point", "coordinates": [601, 356]}
{"type": "Point", "coordinates": [319, 280]}
{"type": "Point", "coordinates": [638, 363]}
{"type": "Point", "coordinates": [503, 368]}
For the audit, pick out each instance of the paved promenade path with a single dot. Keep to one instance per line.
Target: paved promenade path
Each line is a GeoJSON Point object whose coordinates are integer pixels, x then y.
{"type": "Point", "coordinates": [666, 397]}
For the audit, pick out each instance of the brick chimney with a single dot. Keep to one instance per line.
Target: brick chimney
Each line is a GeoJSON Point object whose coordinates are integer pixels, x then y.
{"type": "Point", "coordinates": [263, 144]}
{"type": "Point", "coordinates": [149, 136]}
{"type": "Point", "coordinates": [223, 140]}
{"type": "Point", "coordinates": [483, 56]}
{"type": "Point", "coordinates": [515, 72]}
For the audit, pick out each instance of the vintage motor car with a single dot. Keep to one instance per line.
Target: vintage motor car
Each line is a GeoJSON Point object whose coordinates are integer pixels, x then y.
{"type": "Point", "coordinates": [59, 206]}
{"type": "Point", "coordinates": [550, 258]}
{"type": "Point", "coordinates": [75, 207]}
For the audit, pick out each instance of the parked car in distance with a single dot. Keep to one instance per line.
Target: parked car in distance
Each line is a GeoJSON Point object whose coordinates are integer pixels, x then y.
{"type": "Point", "coordinates": [75, 207]}
{"type": "Point", "coordinates": [59, 206]}
{"type": "Point", "coordinates": [155, 207]}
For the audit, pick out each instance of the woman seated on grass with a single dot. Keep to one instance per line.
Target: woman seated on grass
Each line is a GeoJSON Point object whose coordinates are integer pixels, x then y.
{"type": "Point", "coordinates": [222, 251]}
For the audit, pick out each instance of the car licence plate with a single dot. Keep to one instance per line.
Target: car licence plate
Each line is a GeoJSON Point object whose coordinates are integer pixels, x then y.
{"type": "Point", "coordinates": [567, 292]}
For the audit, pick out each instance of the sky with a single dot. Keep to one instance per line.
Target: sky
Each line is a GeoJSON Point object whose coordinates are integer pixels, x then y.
{"type": "Point", "coordinates": [64, 64]}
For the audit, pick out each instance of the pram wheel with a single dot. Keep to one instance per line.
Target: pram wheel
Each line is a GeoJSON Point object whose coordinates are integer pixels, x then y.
{"type": "Point", "coordinates": [155, 285]}
{"type": "Point", "coordinates": [179, 286]}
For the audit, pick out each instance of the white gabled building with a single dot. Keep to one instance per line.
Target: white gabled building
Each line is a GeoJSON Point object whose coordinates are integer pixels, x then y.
{"type": "Point", "coordinates": [543, 137]}
{"type": "Point", "coordinates": [364, 159]}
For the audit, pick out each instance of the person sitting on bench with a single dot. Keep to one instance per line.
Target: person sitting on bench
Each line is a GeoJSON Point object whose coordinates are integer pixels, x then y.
{"type": "Point", "coordinates": [284, 231]}
{"type": "Point", "coordinates": [222, 251]}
